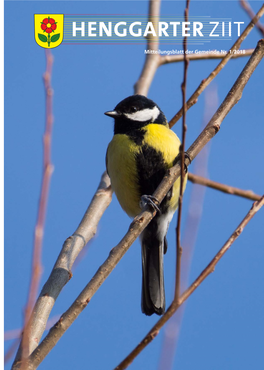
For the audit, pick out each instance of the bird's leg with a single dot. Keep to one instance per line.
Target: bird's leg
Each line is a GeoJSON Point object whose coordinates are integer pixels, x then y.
{"type": "Point", "coordinates": [149, 200]}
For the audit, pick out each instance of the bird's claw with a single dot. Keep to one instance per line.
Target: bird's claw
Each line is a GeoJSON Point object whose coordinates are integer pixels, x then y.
{"type": "Point", "coordinates": [178, 158]}
{"type": "Point", "coordinates": [149, 200]}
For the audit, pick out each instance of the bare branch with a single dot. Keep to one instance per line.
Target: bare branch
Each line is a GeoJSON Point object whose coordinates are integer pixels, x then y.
{"type": "Point", "coordinates": [182, 150]}
{"type": "Point", "coordinates": [245, 5]}
{"type": "Point", "coordinates": [142, 220]}
{"type": "Point", "coordinates": [39, 228]}
{"type": "Point", "coordinates": [249, 194]}
{"type": "Point", "coordinates": [175, 305]}
{"type": "Point", "coordinates": [152, 60]}
{"type": "Point", "coordinates": [61, 272]}
{"type": "Point", "coordinates": [166, 59]}
{"type": "Point", "coordinates": [194, 98]}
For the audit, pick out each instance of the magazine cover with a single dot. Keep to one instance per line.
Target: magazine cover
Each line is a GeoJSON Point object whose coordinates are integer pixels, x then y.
{"type": "Point", "coordinates": [134, 185]}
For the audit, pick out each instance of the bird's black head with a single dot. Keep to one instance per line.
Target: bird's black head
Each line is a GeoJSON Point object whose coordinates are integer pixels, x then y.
{"type": "Point", "coordinates": [135, 112]}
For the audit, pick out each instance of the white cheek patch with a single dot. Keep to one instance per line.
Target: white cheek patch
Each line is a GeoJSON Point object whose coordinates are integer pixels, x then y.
{"type": "Point", "coordinates": [144, 115]}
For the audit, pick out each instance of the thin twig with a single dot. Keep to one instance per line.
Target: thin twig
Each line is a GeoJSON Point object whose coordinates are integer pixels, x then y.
{"type": "Point", "coordinates": [142, 220]}
{"type": "Point", "coordinates": [175, 305]}
{"type": "Point", "coordinates": [182, 150]}
{"type": "Point", "coordinates": [194, 98]}
{"type": "Point", "coordinates": [249, 194]}
{"type": "Point", "coordinates": [167, 59]}
{"type": "Point", "coordinates": [245, 5]}
{"type": "Point", "coordinates": [152, 60]}
{"type": "Point", "coordinates": [39, 229]}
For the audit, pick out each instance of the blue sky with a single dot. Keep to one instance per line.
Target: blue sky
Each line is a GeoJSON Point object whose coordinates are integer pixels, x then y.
{"type": "Point", "coordinates": [223, 322]}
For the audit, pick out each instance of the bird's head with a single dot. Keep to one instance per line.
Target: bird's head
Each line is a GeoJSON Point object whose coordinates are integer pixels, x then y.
{"type": "Point", "coordinates": [135, 112]}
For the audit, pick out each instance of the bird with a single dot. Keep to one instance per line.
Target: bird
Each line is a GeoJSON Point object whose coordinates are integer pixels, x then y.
{"type": "Point", "coordinates": [143, 148]}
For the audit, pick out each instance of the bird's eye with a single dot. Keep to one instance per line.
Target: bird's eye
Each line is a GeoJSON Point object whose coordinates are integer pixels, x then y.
{"type": "Point", "coordinates": [133, 109]}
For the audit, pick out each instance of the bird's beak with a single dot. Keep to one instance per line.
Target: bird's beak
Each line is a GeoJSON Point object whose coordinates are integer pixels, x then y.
{"type": "Point", "coordinates": [112, 113]}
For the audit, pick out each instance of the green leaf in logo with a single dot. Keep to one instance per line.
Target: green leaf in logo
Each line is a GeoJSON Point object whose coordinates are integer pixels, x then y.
{"type": "Point", "coordinates": [42, 38]}
{"type": "Point", "coordinates": [55, 38]}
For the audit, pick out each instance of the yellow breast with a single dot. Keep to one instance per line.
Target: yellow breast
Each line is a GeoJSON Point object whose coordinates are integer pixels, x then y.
{"type": "Point", "coordinates": [121, 167]}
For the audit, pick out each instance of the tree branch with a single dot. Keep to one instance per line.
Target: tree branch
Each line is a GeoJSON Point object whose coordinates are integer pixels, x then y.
{"type": "Point", "coordinates": [249, 194]}
{"type": "Point", "coordinates": [194, 98]}
{"type": "Point", "coordinates": [175, 305]}
{"type": "Point", "coordinates": [182, 150]}
{"type": "Point", "coordinates": [152, 60]}
{"type": "Point", "coordinates": [142, 220]}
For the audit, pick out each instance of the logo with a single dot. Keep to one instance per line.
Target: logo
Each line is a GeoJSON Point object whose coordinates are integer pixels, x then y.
{"type": "Point", "coordinates": [49, 30]}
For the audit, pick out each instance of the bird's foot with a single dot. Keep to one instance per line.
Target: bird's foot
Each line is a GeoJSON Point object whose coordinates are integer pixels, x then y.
{"type": "Point", "coordinates": [178, 158]}
{"type": "Point", "coordinates": [149, 200]}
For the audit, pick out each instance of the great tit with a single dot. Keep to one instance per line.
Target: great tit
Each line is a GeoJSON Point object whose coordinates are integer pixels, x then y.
{"type": "Point", "coordinates": [142, 150]}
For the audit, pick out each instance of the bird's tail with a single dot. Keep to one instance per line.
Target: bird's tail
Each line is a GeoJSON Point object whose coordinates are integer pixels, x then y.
{"type": "Point", "coordinates": [153, 293]}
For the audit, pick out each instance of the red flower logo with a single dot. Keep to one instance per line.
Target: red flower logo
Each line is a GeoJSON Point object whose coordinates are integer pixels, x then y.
{"type": "Point", "coordinates": [48, 25]}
